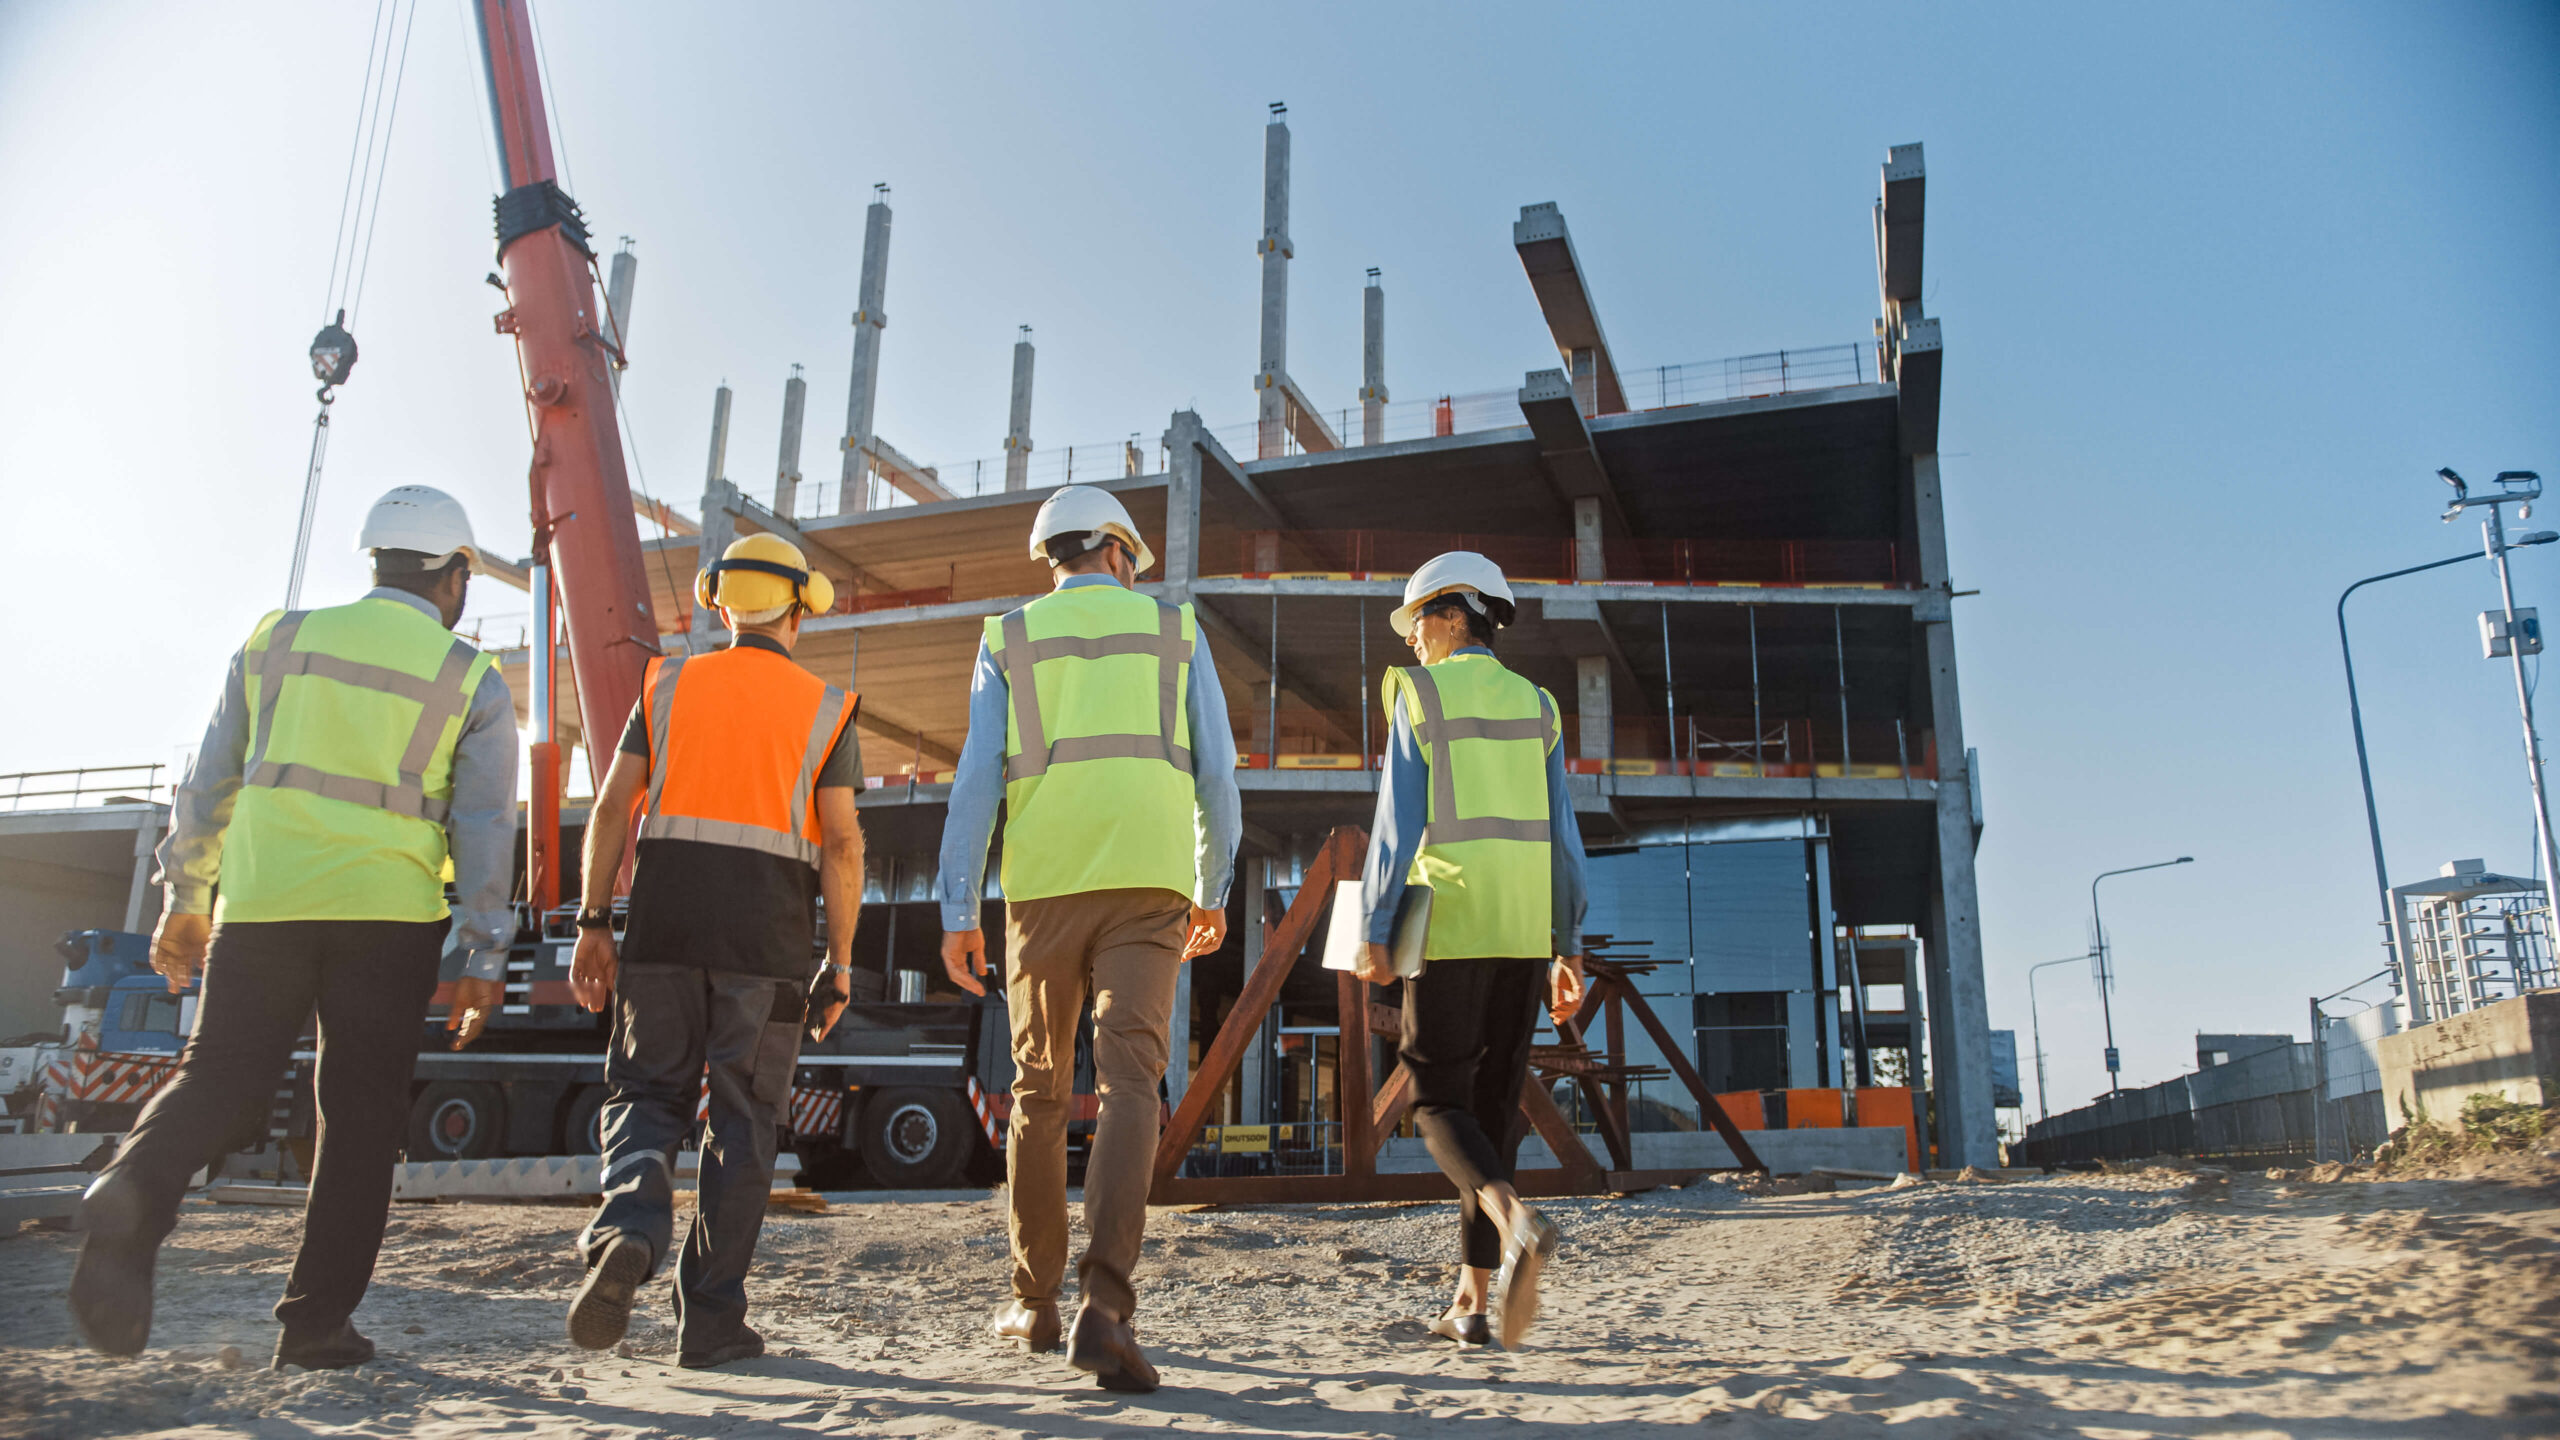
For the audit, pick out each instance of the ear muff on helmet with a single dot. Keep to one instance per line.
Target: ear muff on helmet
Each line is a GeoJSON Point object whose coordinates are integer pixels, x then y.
{"type": "Point", "coordinates": [811, 589]}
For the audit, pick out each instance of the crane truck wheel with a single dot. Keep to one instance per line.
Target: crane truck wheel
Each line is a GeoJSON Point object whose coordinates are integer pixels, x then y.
{"type": "Point", "coordinates": [456, 1120]}
{"type": "Point", "coordinates": [914, 1139]}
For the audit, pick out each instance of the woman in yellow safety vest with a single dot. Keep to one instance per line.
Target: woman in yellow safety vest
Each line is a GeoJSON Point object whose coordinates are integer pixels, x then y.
{"type": "Point", "coordinates": [1473, 807]}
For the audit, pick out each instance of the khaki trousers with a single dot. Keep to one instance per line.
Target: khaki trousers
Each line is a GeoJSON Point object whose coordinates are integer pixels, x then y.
{"type": "Point", "coordinates": [1123, 950]}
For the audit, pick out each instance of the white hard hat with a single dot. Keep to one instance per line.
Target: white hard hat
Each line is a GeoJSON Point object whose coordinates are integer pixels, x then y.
{"type": "Point", "coordinates": [420, 518]}
{"type": "Point", "coordinates": [1463, 572]}
{"type": "Point", "coordinates": [1081, 510]}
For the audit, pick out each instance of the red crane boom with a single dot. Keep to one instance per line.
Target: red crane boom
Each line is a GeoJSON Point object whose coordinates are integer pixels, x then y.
{"type": "Point", "coordinates": [582, 519]}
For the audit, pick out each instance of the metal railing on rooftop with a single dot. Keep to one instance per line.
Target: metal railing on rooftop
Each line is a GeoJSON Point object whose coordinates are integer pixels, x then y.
{"type": "Point", "coordinates": [63, 789]}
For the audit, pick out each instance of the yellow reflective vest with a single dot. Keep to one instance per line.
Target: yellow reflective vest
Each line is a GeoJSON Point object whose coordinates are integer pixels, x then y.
{"type": "Point", "coordinates": [1485, 734]}
{"type": "Point", "coordinates": [354, 712]}
{"type": "Point", "coordinates": [1097, 747]}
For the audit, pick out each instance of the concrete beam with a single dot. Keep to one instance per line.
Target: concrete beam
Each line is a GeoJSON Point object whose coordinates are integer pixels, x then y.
{"type": "Point", "coordinates": [743, 511]}
{"type": "Point", "coordinates": [921, 483]}
{"type": "Point", "coordinates": [1923, 603]}
{"type": "Point", "coordinates": [1306, 424]}
{"type": "Point", "coordinates": [904, 739]}
{"type": "Point", "coordinates": [515, 574]}
{"type": "Point", "coordinates": [1258, 670]}
{"type": "Point", "coordinates": [663, 515]}
{"type": "Point", "coordinates": [1564, 296]}
{"type": "Point", "coordinates": [1217, 462]}
{"type": "Point", "coordinates": [1565, 452]}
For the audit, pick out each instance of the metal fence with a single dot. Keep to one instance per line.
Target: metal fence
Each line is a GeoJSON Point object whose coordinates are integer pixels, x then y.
{"type": "Point", "coordinates": [1304, 1148]}
{"type": "Point", "coordinates": [62, 789]}
{"type": "Point", "coordinates": [2254, 1111]}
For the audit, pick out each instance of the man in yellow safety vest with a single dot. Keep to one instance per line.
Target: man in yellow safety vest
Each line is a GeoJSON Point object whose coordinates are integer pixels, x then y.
{"type": "Point", "coordinates": [356, 750]}
{"type": "Point", "coordinates": [1095, 717]}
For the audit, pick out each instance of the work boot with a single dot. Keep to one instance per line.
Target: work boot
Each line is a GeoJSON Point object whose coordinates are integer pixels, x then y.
{"type": "Point", "coordinates": [1107, 1349]}
{"type": "Point", "coordinates": [1032, 1322]}
{"type": "Point", "coordinates": [745, 1345]}
{"type": "Point", "coordinates": [330, 1350]}
{"type": "Point", "coordinates": [602, 1312]}
{"type": "Point", "coordinates": [111, 1284]}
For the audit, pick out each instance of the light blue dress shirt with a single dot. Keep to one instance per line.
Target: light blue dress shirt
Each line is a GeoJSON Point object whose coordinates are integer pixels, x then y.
{"type": "Point", "coordinates": [978, 785]}
{"type": "Point", "coordinates": [481, 826]}
{"type": "Point", "coordinates": [1395, 837]}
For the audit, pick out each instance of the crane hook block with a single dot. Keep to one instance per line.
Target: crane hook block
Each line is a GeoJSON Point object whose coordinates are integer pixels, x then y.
{"type": "Point", "coordinates": [333, 353]}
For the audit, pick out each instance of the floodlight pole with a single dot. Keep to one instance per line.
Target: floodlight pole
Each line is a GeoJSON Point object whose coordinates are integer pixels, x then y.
{"type": "Point", "coordinates": [2515, 487]}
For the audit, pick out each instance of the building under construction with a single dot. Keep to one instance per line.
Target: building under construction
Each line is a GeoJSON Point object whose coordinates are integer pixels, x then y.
{"type": "Point", "coordinates": [1734, 579]}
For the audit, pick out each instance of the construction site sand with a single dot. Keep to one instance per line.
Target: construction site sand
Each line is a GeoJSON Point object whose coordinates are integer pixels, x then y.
{"type": "Point", "coordinates": [2103, 1306]}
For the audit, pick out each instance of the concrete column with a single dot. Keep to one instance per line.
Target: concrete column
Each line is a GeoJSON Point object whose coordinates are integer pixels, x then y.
{"type": "Point", "coordinates": [1591, 697]}
{"type": "Point", "coordinates": [719, 527]}
{"type": "Point", "coordinates": [718, 469]}
{"type": "Point", "coordinates": [145, 838]}
{"type": "Point", "coordinates": [617, 307]}
{"type": "Point", "coordinates": [1275, 251]}
{"type": "Point", "coordinates": [1959, 1013]}
{"type": "Point", "coordinates": [1181, 544]}
{"type": "Point", "coordinates": [1589, 559]}
{"type": "Point", "coordinates": [1373, 363]}
{"type": "Point", "coordinates": [1252, 1107]}
{"type": "Point", "coordinates": [1826, 973]}
{"type": "Point", "coordinates": [786, 470]}
{"type": "Point", "coordinates": [869, 319]}
{"type": "Point", "coordinates": [1017, 434]}
{"type": "Point", "coordinates": [1586, 381]}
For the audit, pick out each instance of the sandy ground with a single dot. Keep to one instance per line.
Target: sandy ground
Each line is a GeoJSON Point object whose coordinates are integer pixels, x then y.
{"type": "Point", "coordinates": [2104, 1306]}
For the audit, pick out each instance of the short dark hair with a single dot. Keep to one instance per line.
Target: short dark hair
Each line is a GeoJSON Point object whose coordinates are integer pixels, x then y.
{"type": "Point", "coordinates": [1479, 625]}
{"type": "Point", "coordinates": [1076, 545]}
{"type": "Point", "coordinates": [408, 570]}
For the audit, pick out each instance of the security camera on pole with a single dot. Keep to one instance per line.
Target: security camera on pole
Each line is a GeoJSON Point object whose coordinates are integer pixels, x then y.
{"type": "Point", "coordinates": [2511, 632]}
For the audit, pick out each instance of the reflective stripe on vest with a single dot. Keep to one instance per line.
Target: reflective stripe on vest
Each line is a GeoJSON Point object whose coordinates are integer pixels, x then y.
{"type": "Point", "coordinates": [1038, 752]}
{"type": "Point", "coordinates": [825, 725]}
{"type": "Point", "coordinates": [1446, 827]}
{"type": "Point", "coordinates": [440, 700]}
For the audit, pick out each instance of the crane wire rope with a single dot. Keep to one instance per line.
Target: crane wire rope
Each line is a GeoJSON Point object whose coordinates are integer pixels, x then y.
{"type": "Point", "coordinates": [333, 351]}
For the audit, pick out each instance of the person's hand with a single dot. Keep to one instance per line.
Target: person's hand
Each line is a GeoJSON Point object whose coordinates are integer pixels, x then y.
{"type": "Point", "coordinates": [592, 968]}
{"type": "Point", "coordinates": [1377, 965]}
{"type": "Point", "coordinates": [1208, 932]}
{"type": "Point", "coordinates": [178, 946]}
{"type": "Point", "coordinates": [964, 959]}
{"type": "Point", "coordinates": [474, 1001]}
{"type": "Point", "coordinates": [1564, 988]}
{"type": "Point", "coordinates": [828, 995]}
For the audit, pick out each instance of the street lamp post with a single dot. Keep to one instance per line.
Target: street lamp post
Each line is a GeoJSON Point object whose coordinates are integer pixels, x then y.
{"type": "Point", "coordinates": [2035, 1027]}
{"type": "Point", "coordinates": [2364, 767]}
{"type": "Point", "coordinates": [2106, 977]}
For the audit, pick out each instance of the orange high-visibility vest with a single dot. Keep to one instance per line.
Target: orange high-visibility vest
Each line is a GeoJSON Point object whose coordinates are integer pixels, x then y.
{"type": "Point", "coordinates": [736, 738]}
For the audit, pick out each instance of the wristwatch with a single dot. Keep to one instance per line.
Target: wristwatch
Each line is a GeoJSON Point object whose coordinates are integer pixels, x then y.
{"type": "Point", "coordinates": [595, 920]}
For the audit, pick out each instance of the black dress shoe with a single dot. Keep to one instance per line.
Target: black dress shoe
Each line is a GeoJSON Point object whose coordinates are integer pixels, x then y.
{"type": "Point", "coordinates": [1108, 1350]}
{"type": "Point", "coordinates": [331, 1350]}
{"type": "Point", "coordinates": [1465, 1329]}
{"type": "Point", "coordinates": [601, 1314]}
{"type": "Point", "coordinates": [745, 1345]}
{"type": "Point", "coordinates": [1032, 1322]}
{"type": "Point", "coordinates": [111, 1284]}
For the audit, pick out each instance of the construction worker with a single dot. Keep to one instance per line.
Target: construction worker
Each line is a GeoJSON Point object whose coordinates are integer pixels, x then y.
{"type": "Point", "coordinates": [355, 750]}
{"type": "Point", "coordinates": [1473, 804]}
{"type": "Point", "coordinates": [1095, 717]}
{"type": "Point", "coordinates": [743, 769]}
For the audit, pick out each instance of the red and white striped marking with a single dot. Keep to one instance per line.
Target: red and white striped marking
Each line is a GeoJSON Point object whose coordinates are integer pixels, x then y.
{"type": "Point", "coordinates": [992, 1112]}
{"type": "Point", "coordinates": [816, 1111]}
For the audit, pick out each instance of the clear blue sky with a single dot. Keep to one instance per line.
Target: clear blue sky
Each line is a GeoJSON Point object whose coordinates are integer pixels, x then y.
{"type": "Point", "coordinates": [2221, 286]}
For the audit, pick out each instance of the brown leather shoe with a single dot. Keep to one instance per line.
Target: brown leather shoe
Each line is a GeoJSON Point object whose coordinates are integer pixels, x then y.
{"type": "Point", "coordinates": [1032, 1322]}
{"type": "Point", "coordinates": [1108, 1350]}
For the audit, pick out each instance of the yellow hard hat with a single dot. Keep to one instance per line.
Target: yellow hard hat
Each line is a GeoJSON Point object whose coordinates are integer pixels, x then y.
{"type": "Point", "coordinates": [764, 572]}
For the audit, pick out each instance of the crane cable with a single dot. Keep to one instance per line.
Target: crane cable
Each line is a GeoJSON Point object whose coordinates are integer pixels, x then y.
{"type": "Point", "coordinates": [333, 350]}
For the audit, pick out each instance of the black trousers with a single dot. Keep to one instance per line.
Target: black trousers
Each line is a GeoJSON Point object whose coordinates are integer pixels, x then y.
{"type": "Point", "coordinates": [371, 981]}
{"type": "Point", "coordinates": [1467, 1028]}
{"type": "Point", "coordinates": [671, 1023]}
